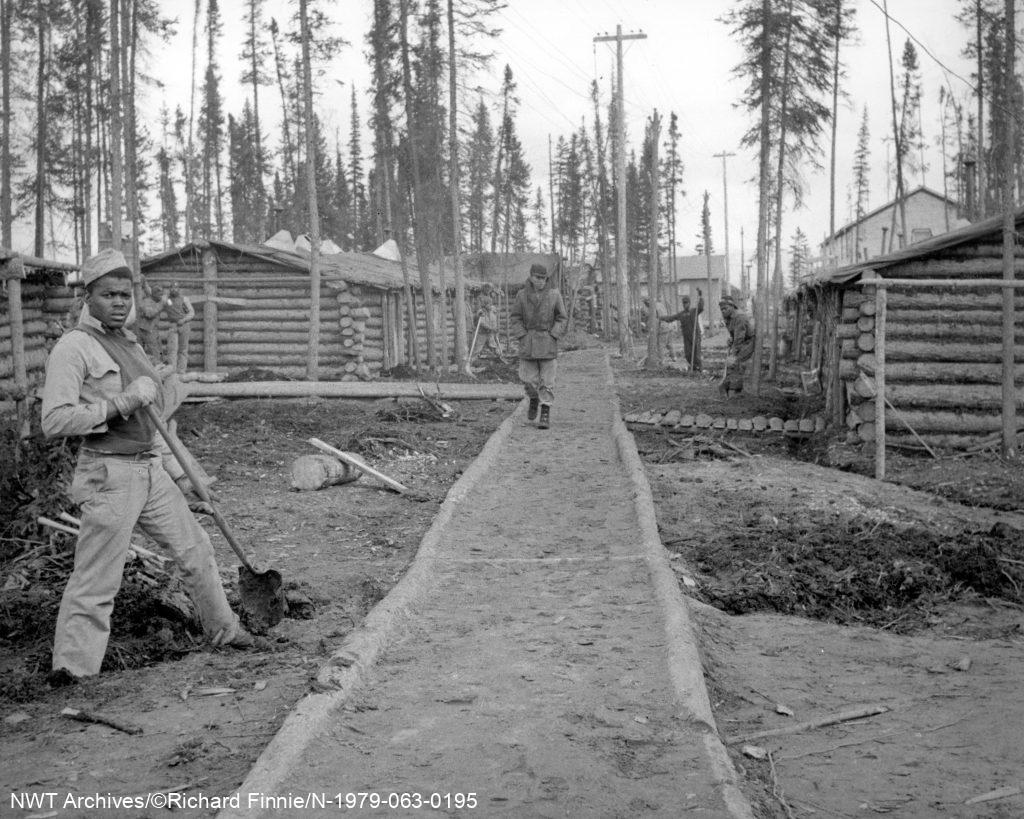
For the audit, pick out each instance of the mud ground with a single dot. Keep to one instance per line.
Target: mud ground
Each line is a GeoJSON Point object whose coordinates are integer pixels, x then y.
{"type": "Point", "coordinates": [945, 664]}
{"type": "Point", "coordinates": [205, 714]}
{"type": "Point", "coordinates": [817, 591]}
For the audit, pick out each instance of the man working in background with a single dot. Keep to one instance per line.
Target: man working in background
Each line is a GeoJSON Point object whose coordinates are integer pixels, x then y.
{"type": "Point", "coordinates": [180, 313]}
{"type": "Point", "coordinates": [147, 324]}
{"type": "Point", "coordinates": [689, 326]}
{"type": "Point", "coordinates": [98, 380]}
{"type": "Point", "coordinates": [741, 346]}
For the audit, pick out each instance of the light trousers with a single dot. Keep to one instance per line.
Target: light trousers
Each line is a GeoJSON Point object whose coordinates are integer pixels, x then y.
{"type": "Point", "coordinates": [538, 377]}
{"type": "Point", "coordinates": [114, 494]}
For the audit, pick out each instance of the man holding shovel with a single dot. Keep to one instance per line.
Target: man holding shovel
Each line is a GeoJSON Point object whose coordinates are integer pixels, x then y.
{"type": "Point", "coordinates": [98, 382]}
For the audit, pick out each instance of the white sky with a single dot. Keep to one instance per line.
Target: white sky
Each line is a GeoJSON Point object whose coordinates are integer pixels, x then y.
{"type": "Point", "coordinates": [684, 65]}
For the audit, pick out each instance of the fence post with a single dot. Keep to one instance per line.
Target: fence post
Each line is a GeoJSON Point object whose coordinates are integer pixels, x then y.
{"type": "Point", "coordinates": [14, 271]}
{"type": "Point", "coordinates": [880, 310]}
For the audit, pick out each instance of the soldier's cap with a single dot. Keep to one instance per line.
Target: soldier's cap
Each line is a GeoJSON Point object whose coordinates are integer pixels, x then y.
{"type": "Point", "coordinates": [727, 300]}
{"type": "Point", "coordinates": [538, 270]}
{"type": "Point", "coordinates": [106, 261]}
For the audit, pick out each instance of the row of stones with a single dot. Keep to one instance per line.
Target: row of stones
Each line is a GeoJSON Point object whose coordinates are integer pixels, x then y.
{"type": "Point", "coordinates": [675, 419]}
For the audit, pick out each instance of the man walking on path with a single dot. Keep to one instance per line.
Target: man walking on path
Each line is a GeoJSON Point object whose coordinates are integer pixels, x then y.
{"type": "Point", "coordinates": [538, 319]}
{"type": "Point", "coordinates": [487, 329]}
{"type": "Point", "coordinates": [741, 346]}
{"type": "Point", "coordinates": [689, 326]}
{"type": "Point", "coordinates": [180, 313]}
{"type": "Point", "coordinates": [98, 380]}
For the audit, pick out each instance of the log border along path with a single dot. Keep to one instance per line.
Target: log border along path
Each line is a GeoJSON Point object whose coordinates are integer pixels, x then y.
{"type": "Point", "coordinates": [538, 654]}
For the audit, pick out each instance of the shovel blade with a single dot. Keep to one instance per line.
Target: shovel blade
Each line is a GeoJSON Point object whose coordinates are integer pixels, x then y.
{"type": "Point", "coordinates": [262, 596]}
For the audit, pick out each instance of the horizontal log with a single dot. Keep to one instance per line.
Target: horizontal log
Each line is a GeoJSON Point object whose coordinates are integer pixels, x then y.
{"type": "Point", "coordinates": [950, 396]}
{"type": "Point", "coordinates": [866, 342]}
{"type": "Point", "coordinates": [270, 339]}
{"type": "Point", "coordinates": [866, 324]}
{"type": "Point", "coordinates": [849, 315]}
{"type": "Point", "coordinates": [952, 268]}
{"type": "Point", "coordinates": [947, 372]}
{"type": "Point", "coordinates": [279, 348]}
{"type": "Point", "coordinates": [273, 314]}
{"type": "Point", "coordinates": [847, 331]}
{"type": "Point", "coordinates": [351, 389]}
{"type": "Point", "coordinates": [903, 438]}
{"type": "Point", "coordinates": [945, 332]}
{"type": "Point", "coordinates": [951, 317]}
{"type": "Point", "coordinates": [988, 299]}
{"type": "Point", "coordinates": [866, 363]}
{"type": "Point", "coordinates": [848, 369]}
{"type": "Point", "coordinates": [933, 420]}
{"type": "Point", "coordinates": [34, 359]}
{"type": "Point", "coordinates": [868, 307]}
{"type": "Point", "coordinates": [916, 350]}
{"type": "Point", "coordinates": [31, 327]}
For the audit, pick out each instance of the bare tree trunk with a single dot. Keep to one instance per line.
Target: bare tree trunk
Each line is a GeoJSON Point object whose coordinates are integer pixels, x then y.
{"type": "Point", "coordinates": [1009, 393]}
{"type": "Point", "coordinates": [289, 150]}
{"type": "Point", "coordinates": [897, 137]}
{"type": "Point", "coordinates": [190, 184]}
{"type": "Point", "coordinates": [418, 196]}
{"type": "Point", "coordinates": [41, 136]}
{"type": "Point", "coordinates": [461, 353]}
{"type": "Point", "coordinates": [313, 356]}
{"type": "Point", "coordinates": [653, 323]}
{"type": "Point", "coordinates": [116, 138]}
{"type": "Point", "coordinates": [982, 165]}
{"type": "Point", "coordinates": [835, 121]}
{"type": "Point", "coordinates": [129, 30]}
{"type": "Point", "coordinates": [5, 125]}
{"type": "Point", "coordinates": [773, 357]}
{"type": "Point", "coordinates": [764, 206]}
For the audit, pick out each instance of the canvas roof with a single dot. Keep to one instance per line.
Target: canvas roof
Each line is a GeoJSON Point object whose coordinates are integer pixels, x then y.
{"type": "Point", "coordinates": [695, 267]}
{"type": "Point", "coordinates": [354, 268]}
{"type": "Point", "coordinates": [988, 228]}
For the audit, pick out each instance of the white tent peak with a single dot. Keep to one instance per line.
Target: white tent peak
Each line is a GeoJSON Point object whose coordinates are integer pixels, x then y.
{"type": "Point", "coordinates": [282, 240]}
{"type": "Point", "coordinates": [389, 250]}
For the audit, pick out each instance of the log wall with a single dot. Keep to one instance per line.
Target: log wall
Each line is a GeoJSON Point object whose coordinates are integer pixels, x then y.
{"type": "Point", "coordinates": [47, 310]}
{"type": "Point", "coordinates": [255, 314]}
{"type": "Point", "coordinates": [943, 351]}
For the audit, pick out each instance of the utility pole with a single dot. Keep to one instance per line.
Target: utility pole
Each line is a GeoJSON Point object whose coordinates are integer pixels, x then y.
{"type": "Point", "coordinates": [620, 183]}
{"type": "Point", "coordinates": [744, 283]}
{"type": "Point", "coordinates": [653, 284]}
{"type": "Point", "coordinates": [725, 206]}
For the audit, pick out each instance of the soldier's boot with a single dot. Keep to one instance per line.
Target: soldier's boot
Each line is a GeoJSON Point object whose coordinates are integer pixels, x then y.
{"type": "Point", "coordinates": [531, 411]}
{"type": "Point", "coordinates": [545, 417]}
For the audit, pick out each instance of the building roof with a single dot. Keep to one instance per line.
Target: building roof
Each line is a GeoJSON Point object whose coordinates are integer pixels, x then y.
{"type": "Point", "coordinates": [696, 267]}
{"type": "Point", "coordinates": [991, 228]}
{"type": "Point", "coordinates": [35, 263]}
{"type": "Point", "coordinates": [921, 189]}
{"type": "Point", "coordinates": [353, 268]}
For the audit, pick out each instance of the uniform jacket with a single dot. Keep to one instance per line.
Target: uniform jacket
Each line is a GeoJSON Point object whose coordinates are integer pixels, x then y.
{"type": "Point", "coordinates": [741, 336]}
{"type": "Point", "coordinates": [538, 319]}
{"type": "Point", "coordinates": [81, 378]}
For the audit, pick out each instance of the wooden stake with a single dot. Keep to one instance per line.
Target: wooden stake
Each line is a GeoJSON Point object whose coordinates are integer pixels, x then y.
{"type": "Point", "coordinates": [880, 401]}
{"type": "Point", "coordinates": [352, 461]}
{"type": "Point", "coordinates": [834, 719]}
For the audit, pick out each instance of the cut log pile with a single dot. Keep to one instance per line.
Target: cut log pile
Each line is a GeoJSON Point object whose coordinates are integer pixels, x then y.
{"type": "Point", "coordinates": [943, 351]}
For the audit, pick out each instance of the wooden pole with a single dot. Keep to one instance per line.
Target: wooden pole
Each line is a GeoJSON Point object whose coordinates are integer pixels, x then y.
{"type": "Point", "coordinates": [313, 354]}
{"type": "Point", "coordinates": [210, 310]}
{"type": "Point", "coordinates": [14, 272]}
{"type": "Point", "coordinates": [653, 285]}
{"type": "Point", "coordinates": [1009, 408]}
{"type": "Point", "coordinates": [880, 304]}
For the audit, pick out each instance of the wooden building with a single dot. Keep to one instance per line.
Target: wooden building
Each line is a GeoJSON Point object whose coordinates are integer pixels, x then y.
{"type": "Point", "coordinates": [943, 343]}
{"type": "Point", "coordinates": [35, 306]}
{"type": "Point", "coordinates": [252, 307]}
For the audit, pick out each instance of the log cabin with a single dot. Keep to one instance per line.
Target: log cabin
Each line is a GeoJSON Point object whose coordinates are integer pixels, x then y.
{"type": "Point", "coordinates": [943, 343]}
{"type": "Point", "coordinates": [252, 306]}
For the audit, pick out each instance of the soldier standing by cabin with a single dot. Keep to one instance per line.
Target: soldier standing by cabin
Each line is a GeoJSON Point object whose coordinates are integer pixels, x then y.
{"type": "Point", "coordinates": [180, 313]}
{"type": "Point", "coordinates": [147, 323]}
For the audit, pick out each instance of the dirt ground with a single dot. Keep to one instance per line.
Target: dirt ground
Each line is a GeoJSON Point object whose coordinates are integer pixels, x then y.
{"type": "Point", "coordinates": [205, 714]}
{"type": "Point", "coordinates": [818, 590]}
{"type": "Point", "coordinates": [815, 590]}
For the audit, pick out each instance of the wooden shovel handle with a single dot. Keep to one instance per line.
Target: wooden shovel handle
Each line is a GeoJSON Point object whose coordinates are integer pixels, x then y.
{"type": "Point", "coordinates": [197, 484]}
{"type": "Point", "coordinates": [344, 457]}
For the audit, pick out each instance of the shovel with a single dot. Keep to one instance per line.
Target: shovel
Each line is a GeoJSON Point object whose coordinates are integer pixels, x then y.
{"type": "Point", "coordinates": [261, 593]}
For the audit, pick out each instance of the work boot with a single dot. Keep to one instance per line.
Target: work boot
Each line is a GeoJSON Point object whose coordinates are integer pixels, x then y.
{"type": "Point", "coordinates": [545, 417]}
{"type": "Point", "coordinates": [531, 411]}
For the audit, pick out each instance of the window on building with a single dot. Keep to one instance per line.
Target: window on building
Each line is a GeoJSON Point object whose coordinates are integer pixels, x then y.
{"type": "Point", "coordinates": [919, 235]}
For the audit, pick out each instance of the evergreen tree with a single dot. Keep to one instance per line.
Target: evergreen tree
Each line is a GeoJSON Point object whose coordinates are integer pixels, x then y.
{"type": "Point", "coordinates": [799, 258]}
{"type": "Point", "coordinates": [248, 197]}
{"type": "Point", "coordinates": [910, 145]}
{"type": "Point", "coordinates": [705, 245]}
{"type": "Point", "coordinates": [480, 159]}
{"type": "Point", "coordinates": [861, 176]}
{"type": "Point", "coordinates": [255, 52]}
{"type": "Point", "coordinates": [540, 218]}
